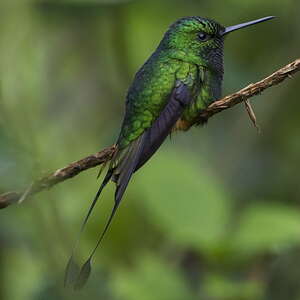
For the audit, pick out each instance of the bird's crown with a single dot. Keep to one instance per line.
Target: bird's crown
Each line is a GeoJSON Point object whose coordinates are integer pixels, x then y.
{"type": "Point", "coordinates": [197, 24]}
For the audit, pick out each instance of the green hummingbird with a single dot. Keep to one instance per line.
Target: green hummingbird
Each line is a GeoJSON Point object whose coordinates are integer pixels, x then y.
{"type": "Point", "coordinates": [181, 78]}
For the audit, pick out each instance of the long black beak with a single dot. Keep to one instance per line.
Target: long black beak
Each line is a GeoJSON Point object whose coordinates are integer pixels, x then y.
{"type": "Point", "coordinates": [239, 26]}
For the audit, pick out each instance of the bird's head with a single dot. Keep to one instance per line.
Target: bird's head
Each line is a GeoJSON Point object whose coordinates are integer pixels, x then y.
{"type": "Point", "coordinates": [200, 40]}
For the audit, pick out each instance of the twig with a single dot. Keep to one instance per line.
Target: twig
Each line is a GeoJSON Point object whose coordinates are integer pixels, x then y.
{"type": "Point", "coordinates": [58, 176]}
{"type": "Point", "coordinates": [91, 161]}
{"type": "Point", "coordinates": [251, 115]}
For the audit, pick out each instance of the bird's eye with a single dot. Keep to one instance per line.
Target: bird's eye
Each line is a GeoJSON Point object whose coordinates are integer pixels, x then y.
{"type": "Point", "coordinates": [203, 36]}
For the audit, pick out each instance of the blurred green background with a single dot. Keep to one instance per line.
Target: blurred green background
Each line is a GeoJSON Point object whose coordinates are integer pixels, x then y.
{"type": "Point", "coordinates": [215, 215]}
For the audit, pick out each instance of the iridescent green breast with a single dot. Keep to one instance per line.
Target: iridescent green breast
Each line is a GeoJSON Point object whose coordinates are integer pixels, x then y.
{"type": "Point", "coordinates": [208, 90]}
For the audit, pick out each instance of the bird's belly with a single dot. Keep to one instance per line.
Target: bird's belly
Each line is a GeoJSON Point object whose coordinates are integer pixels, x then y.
{"type": "Point", "coordinates": [182, 125]}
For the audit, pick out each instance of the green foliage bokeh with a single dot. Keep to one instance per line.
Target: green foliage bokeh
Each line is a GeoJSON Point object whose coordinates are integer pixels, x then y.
{"type": "Point", "coordinates": [214, 215]}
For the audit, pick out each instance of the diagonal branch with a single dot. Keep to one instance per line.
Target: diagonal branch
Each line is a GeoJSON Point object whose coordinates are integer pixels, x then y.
{"type": "Point", "coordinates": [99, 158]}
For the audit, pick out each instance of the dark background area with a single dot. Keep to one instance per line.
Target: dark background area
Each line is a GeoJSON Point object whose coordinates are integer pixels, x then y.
{"type": "Point", "coordinates": [215, 214]}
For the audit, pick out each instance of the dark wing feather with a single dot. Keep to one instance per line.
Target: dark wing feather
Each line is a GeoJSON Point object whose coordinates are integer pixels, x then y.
{"type": "Point", "coordinates": [163, 125]}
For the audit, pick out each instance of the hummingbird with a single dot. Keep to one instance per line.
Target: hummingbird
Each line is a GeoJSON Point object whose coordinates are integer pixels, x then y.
{"type": "Point", "coordinates": [180, 79]}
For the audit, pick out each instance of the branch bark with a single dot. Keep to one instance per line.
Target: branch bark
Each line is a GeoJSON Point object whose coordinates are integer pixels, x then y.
{"type": "Point", "coordinates": [94, 160]}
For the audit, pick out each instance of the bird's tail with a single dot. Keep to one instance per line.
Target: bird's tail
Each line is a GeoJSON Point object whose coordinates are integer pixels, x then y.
{"type": "Point", "coordinates": [123, 164]}
{"type": "Point", "coordinates": [121, 168]}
